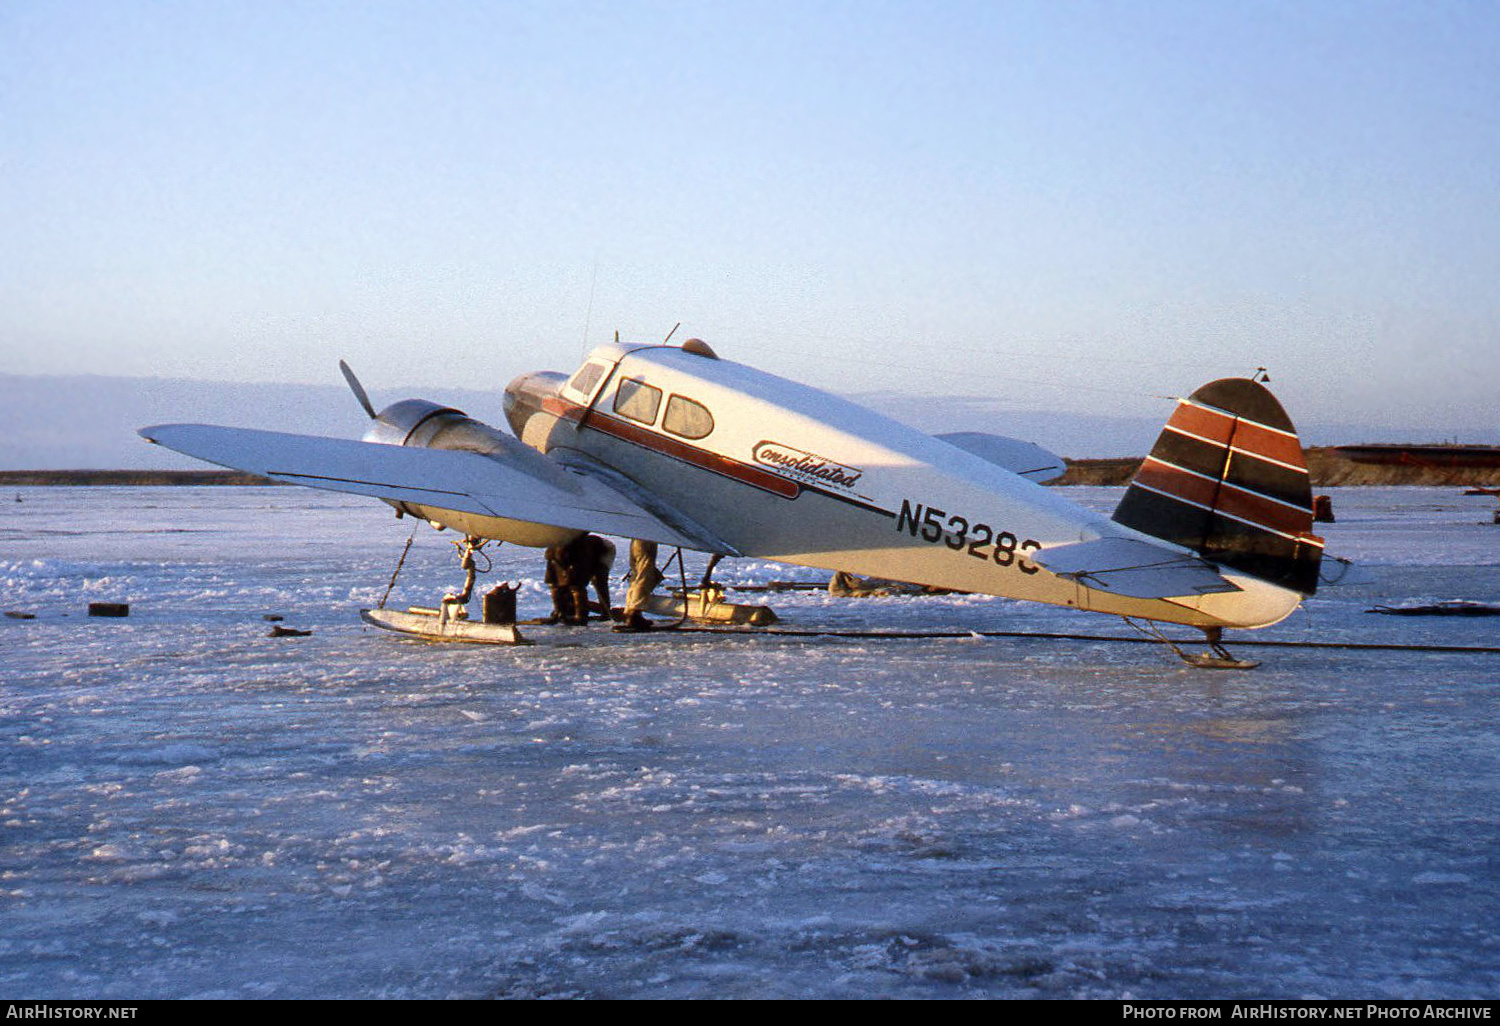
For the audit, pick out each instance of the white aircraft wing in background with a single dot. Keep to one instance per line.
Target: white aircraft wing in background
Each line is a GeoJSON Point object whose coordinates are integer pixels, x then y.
{"type": "Point", "coordinates": [1025, 459]}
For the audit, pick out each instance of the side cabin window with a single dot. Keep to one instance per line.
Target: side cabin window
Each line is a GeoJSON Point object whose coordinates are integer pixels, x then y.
{"type": "Point", "coordinates": [587, 377]}
{"type": "Point", "coordinates": [688, 418]}
{"type": "Point", "coordinates": [637, 400]}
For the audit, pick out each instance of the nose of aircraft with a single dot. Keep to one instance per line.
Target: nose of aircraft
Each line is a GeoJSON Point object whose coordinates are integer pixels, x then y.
{"type": "Point", "coordinates": [524, 397]}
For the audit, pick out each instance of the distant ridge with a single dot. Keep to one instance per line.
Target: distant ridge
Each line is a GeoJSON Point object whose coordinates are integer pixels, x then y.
{"type": "Point", "coordinates": [1326, 465]}
{"type": "Point", "coordinates": [128, 478]}
{"type": "Point", "coordinates": [86, 421]}
{"type": "Point", "coordinates": [89, 421]}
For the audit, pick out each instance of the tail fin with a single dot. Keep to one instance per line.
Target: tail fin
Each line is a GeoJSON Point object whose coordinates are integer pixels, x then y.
{"type": "Point", "coordinates": [1227, 479]}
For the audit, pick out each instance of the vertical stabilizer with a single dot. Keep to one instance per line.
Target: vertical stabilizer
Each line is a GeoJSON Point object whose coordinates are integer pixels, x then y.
{"type": "Point", "coordinates": [1227, 479]}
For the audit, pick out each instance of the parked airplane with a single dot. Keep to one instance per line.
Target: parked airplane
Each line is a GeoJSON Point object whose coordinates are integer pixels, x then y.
{"type": "Point", "coordinates": [677, 446]}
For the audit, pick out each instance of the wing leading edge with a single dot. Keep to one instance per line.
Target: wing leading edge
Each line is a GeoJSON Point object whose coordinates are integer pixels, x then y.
{"type": "Point", "coordinates": [517, 484]}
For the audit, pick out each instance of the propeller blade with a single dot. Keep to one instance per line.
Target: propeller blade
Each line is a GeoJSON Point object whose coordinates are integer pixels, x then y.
{"type": "Point", "coordinates": [358, 389]}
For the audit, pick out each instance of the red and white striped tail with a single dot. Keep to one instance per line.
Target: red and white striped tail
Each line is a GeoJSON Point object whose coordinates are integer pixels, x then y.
{"type": "Point", "coordinates": [1227, 479]}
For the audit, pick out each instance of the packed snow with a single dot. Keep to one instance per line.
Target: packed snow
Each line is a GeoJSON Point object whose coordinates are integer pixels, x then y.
{"type": "Point", "coordinates": [190, 807]}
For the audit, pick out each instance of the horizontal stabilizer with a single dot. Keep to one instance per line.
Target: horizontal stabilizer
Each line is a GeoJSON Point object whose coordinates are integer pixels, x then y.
{"type": "Point", "coordinates": [1026, 459]}
{"type": "Point", "coordinates": [1139, 569]}
{"type": "Point", "coordinates": [516, 483]}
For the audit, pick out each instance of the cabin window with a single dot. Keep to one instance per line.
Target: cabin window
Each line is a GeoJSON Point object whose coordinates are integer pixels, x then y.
{"type": "Point", "coordinates": [587, 377]}
{"type": "Point", "coordinates": [688, 418]}
{"type": "Point", "coordinates": [637, 400]}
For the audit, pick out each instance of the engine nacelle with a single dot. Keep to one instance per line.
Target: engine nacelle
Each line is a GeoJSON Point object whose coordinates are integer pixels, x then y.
{"type": "Point", "coordinates": [423, 424]}
{"type": "Point", "coordinates": [525, 398]}
{"type": "Point", "coordinates": [397, 422]}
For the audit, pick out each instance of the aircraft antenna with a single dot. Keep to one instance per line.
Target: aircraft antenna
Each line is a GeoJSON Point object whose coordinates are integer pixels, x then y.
{"type": "Point", "coordinates": [671, 333]}
{"type": "Point", "coordinates": [588, 317]}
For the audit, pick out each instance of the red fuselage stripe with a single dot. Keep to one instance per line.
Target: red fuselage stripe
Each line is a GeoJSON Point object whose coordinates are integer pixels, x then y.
{"type": "Point", "coordinates": [636, 434]}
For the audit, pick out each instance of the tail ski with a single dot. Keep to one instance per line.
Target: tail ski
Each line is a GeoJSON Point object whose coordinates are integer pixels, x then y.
{"type": "Point", "coordinates": [1228, 480]}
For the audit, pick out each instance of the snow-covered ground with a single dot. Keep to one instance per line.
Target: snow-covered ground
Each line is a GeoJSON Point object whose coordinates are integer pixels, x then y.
{"type": "Point", "coordinates": [190, 808]}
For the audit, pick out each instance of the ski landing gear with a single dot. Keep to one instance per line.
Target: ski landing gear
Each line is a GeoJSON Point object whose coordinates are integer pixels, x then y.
{"type": "Point", "coordinates": [450, 621]}
{"type": "Point", "coordinates": [1216, 658]}
{"type": "Point", "coordinates": [704, 604]}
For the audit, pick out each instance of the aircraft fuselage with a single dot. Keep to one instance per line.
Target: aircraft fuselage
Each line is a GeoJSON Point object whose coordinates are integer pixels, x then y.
{"type": "Point", "coordinates": [786, 472]}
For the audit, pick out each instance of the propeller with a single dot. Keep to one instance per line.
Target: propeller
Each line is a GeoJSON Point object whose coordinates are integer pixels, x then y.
{"type": "Point", "coordinates": [357, 389]}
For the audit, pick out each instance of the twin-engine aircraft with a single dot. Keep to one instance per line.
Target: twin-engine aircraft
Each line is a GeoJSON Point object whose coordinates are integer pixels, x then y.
{"type": "Point", "coordinates": [676, 446]}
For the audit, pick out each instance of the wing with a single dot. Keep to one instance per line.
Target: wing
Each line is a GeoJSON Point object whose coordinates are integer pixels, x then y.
{"type": "Point", "coordinates": [1027, 459]}
{"type": "Point", "coordinates": [1138, 569]}
{"type": "Point", "coordinates": [515, 482]}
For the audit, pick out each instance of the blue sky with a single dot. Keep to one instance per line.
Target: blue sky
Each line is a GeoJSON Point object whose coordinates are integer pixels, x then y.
{"type": "Point", "coordinates": [1079, 206]}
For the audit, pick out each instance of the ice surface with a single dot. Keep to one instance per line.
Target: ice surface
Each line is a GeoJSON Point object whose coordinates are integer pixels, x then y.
{"type": "Point", "coordinates": [191, 808]}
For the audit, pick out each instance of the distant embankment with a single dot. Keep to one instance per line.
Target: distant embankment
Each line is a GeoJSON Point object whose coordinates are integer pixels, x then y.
{"type": "Point", "coordinates": [1327, 468]}
{"type": "Point", "coordinates": [1114, 471]}
{"type": "Point", "coordinates": [134, 478]}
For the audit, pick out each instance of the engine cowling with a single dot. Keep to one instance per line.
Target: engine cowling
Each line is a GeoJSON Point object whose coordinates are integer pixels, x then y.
{"type": "Point", "coordinates": [424, 424]}
{"type": "Point", "coordinates": [396, 424]}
